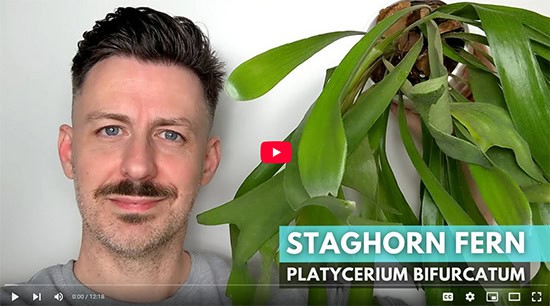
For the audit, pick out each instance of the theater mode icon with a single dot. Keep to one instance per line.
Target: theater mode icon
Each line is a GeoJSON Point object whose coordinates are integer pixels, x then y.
{"type": "Point", "coordinates": [514, 296]}
{"type": "Point", "coordinates": [276, 152]}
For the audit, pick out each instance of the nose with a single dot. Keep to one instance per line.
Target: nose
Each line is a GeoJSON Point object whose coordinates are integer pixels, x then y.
{"type": "Point", "coordinates": [138, 162]}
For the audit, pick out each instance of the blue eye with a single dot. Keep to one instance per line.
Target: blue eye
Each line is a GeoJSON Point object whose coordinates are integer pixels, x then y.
{"type": "Point", "coordinates": [171, 135]}
{"type": "Point", "coordinates": [111, 130]}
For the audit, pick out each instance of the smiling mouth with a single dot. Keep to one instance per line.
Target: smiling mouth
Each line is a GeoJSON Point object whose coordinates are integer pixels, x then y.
{"type": "Point", "coordinates": [135, 204]}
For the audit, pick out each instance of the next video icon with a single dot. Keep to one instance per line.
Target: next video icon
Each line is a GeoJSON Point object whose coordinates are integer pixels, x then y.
{"type": "Point", "coordinates": [37, 296]}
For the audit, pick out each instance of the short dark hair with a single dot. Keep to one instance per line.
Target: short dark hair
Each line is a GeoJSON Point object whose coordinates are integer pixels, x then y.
{"type": "Point", "coordinates": [150, 36]}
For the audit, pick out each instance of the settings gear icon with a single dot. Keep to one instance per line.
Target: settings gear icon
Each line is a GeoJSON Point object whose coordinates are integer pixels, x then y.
{"type": "Point", "coordinates": [470, 296]}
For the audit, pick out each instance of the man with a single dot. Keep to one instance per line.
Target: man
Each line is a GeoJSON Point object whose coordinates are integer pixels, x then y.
{"type": "Point", "coordinates": [145, 89]}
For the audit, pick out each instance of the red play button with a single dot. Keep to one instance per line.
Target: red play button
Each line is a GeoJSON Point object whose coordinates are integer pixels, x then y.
{"type": "Point", "coordinates": [276, 152]}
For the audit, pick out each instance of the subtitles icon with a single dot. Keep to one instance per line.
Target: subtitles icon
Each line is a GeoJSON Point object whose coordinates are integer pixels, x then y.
{"type": "Point", "coordinates": [448, 296]}
{"type": "Point", "coordinates": [514, 296]}
{"type": "Point", "coordinates": [470, 296]}
{"type": "Point", "coordinates": [536, 297]}
{"type": "Point", "coordinates": [491, 297]}
{"type": "Point", "coordinates": [276, 152]}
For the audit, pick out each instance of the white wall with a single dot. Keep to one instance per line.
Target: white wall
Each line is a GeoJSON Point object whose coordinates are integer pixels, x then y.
{"type": "Point", "coordinates": [39, 220]}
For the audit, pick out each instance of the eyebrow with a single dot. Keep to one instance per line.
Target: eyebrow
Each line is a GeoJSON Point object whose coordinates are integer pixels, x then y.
{"type": "Point", "coordinates": [102, 115]}
{"type": "Point", "coordinates": [175, 121]}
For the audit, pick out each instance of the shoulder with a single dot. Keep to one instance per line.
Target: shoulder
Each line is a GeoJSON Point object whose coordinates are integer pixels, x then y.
{"type": "Point", "coordinates": [209, 268]}
{"type": "Point", "coordinates": [209, 259]}
{"type": "Point", "coordinates": [206, 283]}
{"type": "Point", "coordinates": [52, 275]}
{"type": "Point", "coordinates": [46, 281]}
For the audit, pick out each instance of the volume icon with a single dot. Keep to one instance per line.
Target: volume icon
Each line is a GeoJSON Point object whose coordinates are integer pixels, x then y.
{"type": "Point", "coordinates": [58, 296]}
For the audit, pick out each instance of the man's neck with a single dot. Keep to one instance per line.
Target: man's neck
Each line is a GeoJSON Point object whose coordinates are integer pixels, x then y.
{"type": "Point", "coordinates": [150, 278]}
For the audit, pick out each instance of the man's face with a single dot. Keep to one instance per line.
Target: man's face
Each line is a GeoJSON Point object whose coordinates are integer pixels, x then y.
{"type": "Point", "coordinates": [138, 151]}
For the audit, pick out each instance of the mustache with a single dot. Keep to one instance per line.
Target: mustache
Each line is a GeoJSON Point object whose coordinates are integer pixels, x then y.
{"type": "Point", "coordinates": [140, 189]}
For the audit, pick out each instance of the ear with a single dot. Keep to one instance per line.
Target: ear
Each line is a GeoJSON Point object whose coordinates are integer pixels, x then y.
{"type": "Point", "coordinates": [211, 160]}
{"type": "Point", "coordinates": [64, 148]}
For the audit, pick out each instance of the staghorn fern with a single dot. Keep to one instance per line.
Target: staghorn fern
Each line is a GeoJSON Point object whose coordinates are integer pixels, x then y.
{"type": "Point", "coordinates": [502, 137]}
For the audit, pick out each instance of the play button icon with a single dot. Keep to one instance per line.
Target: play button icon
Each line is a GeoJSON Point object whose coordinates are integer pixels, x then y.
{"type": "Point", "coordinates": [276, 152]}
{"type": "Point", "coordinates": [14, 296]}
